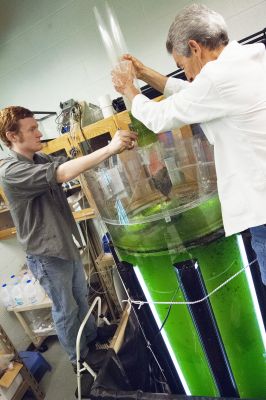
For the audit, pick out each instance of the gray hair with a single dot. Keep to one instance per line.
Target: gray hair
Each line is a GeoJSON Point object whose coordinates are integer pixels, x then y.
{"type": "Point", "coordinates": [199, 23]}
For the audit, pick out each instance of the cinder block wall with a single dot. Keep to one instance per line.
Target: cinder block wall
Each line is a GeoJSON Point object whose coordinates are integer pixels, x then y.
{"type": "Point", "coordinates": [51, 51]}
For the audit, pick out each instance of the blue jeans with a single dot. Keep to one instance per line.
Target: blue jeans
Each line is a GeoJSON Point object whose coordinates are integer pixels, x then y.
{"type": "Point", "coordinates": [258, 241]}
{"type": "Point", "coordinates": [64, 282]}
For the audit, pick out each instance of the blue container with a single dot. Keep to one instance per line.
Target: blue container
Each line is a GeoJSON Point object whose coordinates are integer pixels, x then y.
{"type": "Point", "coordinates": [105, 244]}
{"type": "Point", "coordinates": [36, 363]}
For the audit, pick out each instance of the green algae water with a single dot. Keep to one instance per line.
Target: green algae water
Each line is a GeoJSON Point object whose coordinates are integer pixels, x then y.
{"type": "Point", "coordinates": [196, 232]}
{"type": "Point", "coordinates": [160, 205]}
{"type": "Point", "coordinates": [145, 135]}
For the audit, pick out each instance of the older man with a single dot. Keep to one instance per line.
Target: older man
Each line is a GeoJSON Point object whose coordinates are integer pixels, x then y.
{"type": "Point", "coordinates": [226, 92]}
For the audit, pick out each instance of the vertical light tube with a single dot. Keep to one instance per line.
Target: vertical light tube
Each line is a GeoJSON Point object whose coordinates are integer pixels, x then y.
{"type": "Point", "coordinates": [163, 333]}
{"type": "Point", "coordinates": [252, 290]}
{"type": "Point", "coordinates": [193, 287]}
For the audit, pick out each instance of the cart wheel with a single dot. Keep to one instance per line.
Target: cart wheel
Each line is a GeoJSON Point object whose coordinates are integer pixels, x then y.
{"type": "Point", "coordinates": [43, 348]}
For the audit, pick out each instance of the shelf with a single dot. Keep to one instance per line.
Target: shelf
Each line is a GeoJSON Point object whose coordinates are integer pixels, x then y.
{"type": "Point", "coordinates": [7, 233]}
{"type": "Point", "coordinates": [28, 381]}
{"type": "Point", "coordinates": [45, 332]}
{"type": "Point", "coordinates": [21, 390]}
{"type": "Point", "coordinates": [3, 210]}
{"type": "Point", "coordinates": [82, 215]}
{"type": "Point", "coordinates": [46, 303]}
{"type": "Point", "coordinates": [77, 186]}
{"type": "Point", "coordinates": [6, 219]}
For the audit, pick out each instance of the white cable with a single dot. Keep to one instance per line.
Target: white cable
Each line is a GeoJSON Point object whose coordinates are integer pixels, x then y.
{"type": "Point", "coordinates": [108, 269]}
{"type": "Point", "coordinates": [97, 291]}
{"type": "Point", "coordinates": [140, 303]}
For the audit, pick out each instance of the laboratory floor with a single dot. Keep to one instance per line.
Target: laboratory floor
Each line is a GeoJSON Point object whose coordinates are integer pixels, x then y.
{"type": "Point", "coordinates": [61, 382]}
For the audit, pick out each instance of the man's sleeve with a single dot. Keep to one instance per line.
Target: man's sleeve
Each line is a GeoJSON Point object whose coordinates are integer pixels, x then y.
{"type": "Point", "coordinates": [174, 85]}
{"type": "Point", "coordinates": [198, 102]}
{"type": "Point", "coordinates": [27, 180]}
{"type": "Point", "coordinates": [51, 158]}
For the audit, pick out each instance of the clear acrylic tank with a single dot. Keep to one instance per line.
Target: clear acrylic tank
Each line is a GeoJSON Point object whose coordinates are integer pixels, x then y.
{"type": "Point", "coordinates": [160, 206]}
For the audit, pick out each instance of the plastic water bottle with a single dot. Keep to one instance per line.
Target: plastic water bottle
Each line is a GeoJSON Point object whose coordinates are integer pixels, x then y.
{"type": "Point", "coordinates": [5, 296]}
{"type": "Point", "coordinates": [17, 295]}
{"type": "Point", "coordinates": [13, 280]}
{"type": "Point", "coordinates": [30, 292]}
{"type": "Point", "coordinates": [25, 277]}
{"type": "Point", "coordinates": [40, 292]}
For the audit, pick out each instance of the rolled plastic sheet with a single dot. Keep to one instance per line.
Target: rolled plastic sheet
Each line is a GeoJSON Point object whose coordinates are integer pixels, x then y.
{"type": "Point", "coordinates": [112, 37]}
{"type": "Point", "coordinates": [105, 103]}
{"type": "Point", "coordinates": [107, 38]}
{"type": "Point", "coordinates": [117, 34]}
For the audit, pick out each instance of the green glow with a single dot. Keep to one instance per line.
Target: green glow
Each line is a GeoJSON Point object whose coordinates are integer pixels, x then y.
{"type": "Point", "coordinates": [154, 247]}
{"type": "Point", "coordinates": [161, 281]}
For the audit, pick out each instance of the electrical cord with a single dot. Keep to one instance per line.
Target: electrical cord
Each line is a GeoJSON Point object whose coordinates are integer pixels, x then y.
{"type": "Point", "coordinates": [90, 274]}
{"type": "Point", "coordinates": [59, 120]}
{"type": "Point", "coordinates": [152, 342]}
{"type": "Point", "coordinates": [77, 116]}
{"type": "Point", "coordinates": [148, 344]}
{"type": "Point", "coordinates": [167, 315]}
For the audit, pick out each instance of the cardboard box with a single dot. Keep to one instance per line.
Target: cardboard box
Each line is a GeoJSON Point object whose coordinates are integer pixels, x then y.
{"type": "Point", "coordinates": [105, 260]}
{"type": "Point", "coordinates": [10, 382]}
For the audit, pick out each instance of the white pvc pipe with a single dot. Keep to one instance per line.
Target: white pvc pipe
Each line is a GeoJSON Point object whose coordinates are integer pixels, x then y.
{"type": "Point", "coordinates": [97, 301]}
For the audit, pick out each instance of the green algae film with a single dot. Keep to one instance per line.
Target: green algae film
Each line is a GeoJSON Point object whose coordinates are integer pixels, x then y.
{"type": "Point", "coordinates": [160, 278]}
{"type": "Point", "coordinates": [154, 247]}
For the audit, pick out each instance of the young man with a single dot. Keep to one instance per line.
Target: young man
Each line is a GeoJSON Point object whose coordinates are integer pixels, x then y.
{"type": "Point", "coordinates": [44, 222]}
{"type": "Point", "coordinates": [226, 92]}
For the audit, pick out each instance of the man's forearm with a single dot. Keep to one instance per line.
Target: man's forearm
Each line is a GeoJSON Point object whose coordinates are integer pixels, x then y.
{"type": "Point", "coordinates": [71, 169]}
{"type": "Point", "coordinates": [154, 79]}
{"type": "Point", "coordinates": [130, 92]}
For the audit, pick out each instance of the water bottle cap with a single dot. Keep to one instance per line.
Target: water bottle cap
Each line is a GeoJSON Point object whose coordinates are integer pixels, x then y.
{"type": "Point", "coordinates": [4, 285]}
{"type": "Point", "coordinates": [12, 276]}
{"type": "Point", "coordinates": [29, 280]}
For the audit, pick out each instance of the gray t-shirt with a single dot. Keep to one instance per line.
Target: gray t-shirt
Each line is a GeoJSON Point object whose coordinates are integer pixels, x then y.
{"type": "Point", "coordinates": [38, 205]}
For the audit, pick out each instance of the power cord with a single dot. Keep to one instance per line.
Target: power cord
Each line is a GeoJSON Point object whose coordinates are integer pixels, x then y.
{"type": "Point", "coordinates": [76, 115]}
{"type": "Point", "coordinates": [167, 315]}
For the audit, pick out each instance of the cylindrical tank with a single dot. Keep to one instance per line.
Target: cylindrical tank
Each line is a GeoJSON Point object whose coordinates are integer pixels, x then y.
{"type": "Point", "coordinates": [160, 205]}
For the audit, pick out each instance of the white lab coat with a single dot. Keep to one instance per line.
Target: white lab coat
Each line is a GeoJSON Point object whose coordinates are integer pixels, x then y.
{"type": "Point", "coordinates": [228, 98]}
